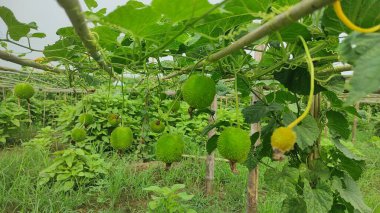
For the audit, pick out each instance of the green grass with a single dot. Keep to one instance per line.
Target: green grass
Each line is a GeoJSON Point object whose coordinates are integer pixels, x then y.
{"type": "Point", "coordinates": [122, 190]}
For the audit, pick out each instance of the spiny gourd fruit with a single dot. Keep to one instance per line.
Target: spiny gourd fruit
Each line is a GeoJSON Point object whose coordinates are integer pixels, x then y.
{"type": "Point", "coordinates": [198, 91]}
{"type": "Point", "coordinates": [23, 91]}
{"type": "Point", "coordinates": [234, 144]}
{"type": "Point", "coordinates": [86, 119]}
{"type": "Point", "coordinates": [170, 148]}
{"type": "Point", "coordinates": [157, 126]}
{"type": "Point", "coordinates": [78, 134]}
{"type": "Point", "coordinates": [283, 139]}
{"type": "Point", "coordinates": [113, 119]}
{"type": "Point", "coordinates": [121, 138]}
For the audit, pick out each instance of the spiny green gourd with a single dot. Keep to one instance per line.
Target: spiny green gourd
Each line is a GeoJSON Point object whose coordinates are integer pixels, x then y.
{"type": "Point", "coordinates": [114, 119]}
{"type": "Point", "coordinates": [24, 91]}
{"type": "Point", "coordinates": [234, 144]}
{"type": "Point", "coordinates": [198, 91]}
{"type": "Point", "coordinates": [86, 119]}
{"type": "Point", "coordinates": [157, 126]}
{"type": "Point", "coordinates": [121, 138]}
{"type": "Point", "coordinates": [170, 148]}
{"type": "Point", "coordinates": [78, 134]}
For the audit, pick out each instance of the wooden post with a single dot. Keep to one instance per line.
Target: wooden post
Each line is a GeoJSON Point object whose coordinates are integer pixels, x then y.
{"type": "Point", "coordinates": [253, 175]}
{"type": "Point", "coordinates": [210, 160]}
{"type": "Point", "coordinates": [355, 124]}
{"type": "Point", "coordinates": [3, 93]}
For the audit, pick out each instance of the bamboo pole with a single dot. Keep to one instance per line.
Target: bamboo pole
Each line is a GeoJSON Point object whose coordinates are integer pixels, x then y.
{"type": "Point", "coordinates": [253, 175]}
{"type": "Point", "coordinates": [210, 161]}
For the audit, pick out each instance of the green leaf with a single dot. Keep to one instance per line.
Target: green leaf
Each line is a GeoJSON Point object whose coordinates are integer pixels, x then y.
{"type": "Point", "coordinates": [243, 86]}
{"type": "Point", "coordinates": [338, 124]}
{"type": "Point", "coordinates": [363, 13]}
{"type": "Point", "coordinates": [297, 80]}
{"type": "Point", "coordinates": [179, 10]}
{"type": "Point", "coordinates": [217, 124]}
{"type": "Point", "coordinates": [319, 199]}
{"type": "Point", "coordinates": [91, 3]}
{"type": "Point", "coordinates": [293, 205]}
{"type": "Point", "coordinates": [184, 196]}
{"type": "Point", "coordinates": [307, 131]}
{"type": "Point", "coordinates": [177, 187]}
{"type": "Point", "coordinates": [350, 192]}
{"type": "Point", "coordinates": [107, 37]}
{"type": "Point", "coordinates": [68, 185]}
{"type": "Point", "coordinates": [38, 35]}
{"type": "Point", "coordinates": [287, 184]}
{"type": "Point", "coordinates": [212, 144]}
{"type": "Point", "coordinates": [16, 122]}
{"type": "Point", "coordinates": [290, 34]}
{"type": "Point", "coordinates": [362, 51]}
{"type": "Point", "coordinates": [16, 29]}
{"type": "Point", "coordinates": [135, 17]}
{"type": "Point", "coordinates": [251, 7]}
{"type": "Point", "coordinates": [259, 110]}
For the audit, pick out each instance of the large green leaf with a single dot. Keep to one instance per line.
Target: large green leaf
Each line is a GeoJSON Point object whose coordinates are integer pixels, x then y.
{"type": "Point", "coordinates": [290, 34]}
{"type": "Point", "coordinates": [364, 13]}
{"type": "Point", "coordinates": [16, 29]}
{"type": "Point", "coordinates": [179, 10]}
{"type": "Point", "coordinates": [318, 199]}
{"type": "Point", "coordinates": [338, 124]}
{"type": "Point", "coordinates": [362, 50]}
{"type": "Point", "coordinates": [259, 110]}
{"type": "Point", "coordinates": [107, 37]}
{"type": "Point", "coordinates": [307, 131]}
{"type": "Point", "coordinates": [136, 17]}
{"type": "Point", "coordinates": [293, 205]}
{"type": "Point", "coordinates": [287, 184]}
{"type": "Point", "coordinates": [252, 7]}
{"type": "Point", "coordinates": [350, 192]}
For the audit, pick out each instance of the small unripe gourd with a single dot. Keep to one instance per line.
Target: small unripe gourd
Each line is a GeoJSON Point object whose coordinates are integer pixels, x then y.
{"type": "Point", "coordinates": [170, 148]}
{"type": "Point", "coordinates": [121, 138]}
{"type": "Point", "coordinates": [78, 134]}
{"type": "Point", "coordinates": [24, 91]}
{"type": "Point", "coordinates": [157, 126]}
{"type": "Point", "coordinates": [113, 119]}
{"type": "Point", "coordinates": [86, 119]}
{"type": "Point", "coordinates": [198, 91]}
{"type": "Point", "coordinates": [234, 144]}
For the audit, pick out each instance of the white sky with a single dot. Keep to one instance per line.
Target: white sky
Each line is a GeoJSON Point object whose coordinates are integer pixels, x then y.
{"type": "Point", "coordinates": [49, 17]}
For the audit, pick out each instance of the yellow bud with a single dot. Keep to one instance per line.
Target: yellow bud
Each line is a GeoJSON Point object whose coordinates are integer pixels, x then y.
{"type": "Point", "coordinates": [283, 139]}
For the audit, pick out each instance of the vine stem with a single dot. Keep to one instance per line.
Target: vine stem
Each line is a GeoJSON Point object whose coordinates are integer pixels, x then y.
{"type": "Point", "coordinates": [346, 21]}
{"type": "Point", "coordinates": [236, 101]}
{"type": "Point", "coordinates": [27, 62]}
{"type": "Point", "coordinates": [20, 45]}
{"type": "Point", "coordinates": [309, 61]}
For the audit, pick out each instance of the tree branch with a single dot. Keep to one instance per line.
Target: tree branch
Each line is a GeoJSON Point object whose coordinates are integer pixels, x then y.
{"type": "Point", "coordinates": [75, 14]}
{"type": "Point", "coordinates": [27, 62]}
{"type": "Point", "coordinates": [280, 21]}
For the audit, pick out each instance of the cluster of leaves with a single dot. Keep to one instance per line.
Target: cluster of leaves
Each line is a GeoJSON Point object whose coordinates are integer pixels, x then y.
{"type": "Point", "coordinates": [169, 200]}
{"type": "Point", "coordinates": [12, 117]}
{"type": "Point", "coordinates": [74, 168]}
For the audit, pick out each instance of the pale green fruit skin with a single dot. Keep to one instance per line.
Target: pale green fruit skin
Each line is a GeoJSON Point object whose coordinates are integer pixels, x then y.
{"type": "Point", "coordinates": [170, 148]}
{"type": "Point", "coordinates": [78, 134]}
{"type": "Point", "coordinates": [86, 119]}
{"type": "Point", "coordinates": [121, 138]}
{"type": "Point", "coordinates": [113, 119]}
{"type": "Point", "coordinates": [234, 144]}
{"type": "Point", "coordinates": [24, 91]}
{"type": "Point", "coordinates": [157, 126]}
{"type": "Point", "coordinates": [198, 91]}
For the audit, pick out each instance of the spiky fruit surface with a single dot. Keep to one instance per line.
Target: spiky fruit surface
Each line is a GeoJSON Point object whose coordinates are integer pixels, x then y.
{"type": "Point", "coordinates": [121, 138]}
{"type": "Point", "coordinates": [283, 139]}
{"type": "Point", "coordinates": [78, 134]}
{"type": "Point", "coordinates": [198, 91]}
{"type": "Point", "coordinates": [170, 148]}
{"type": "Point", "coordinates": [86, 119]}
{"type": "Point", "coordinates": [234, 144]}
{"type": "Point", "coordinates": [113, 119]}
{"type": "Point", "coordinates": [23, 91]}
{"type": "Point", "coordinates": [157, 126]}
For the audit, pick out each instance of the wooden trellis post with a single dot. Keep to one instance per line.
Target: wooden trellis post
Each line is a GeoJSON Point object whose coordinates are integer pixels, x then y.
{"type": "Point", "coordinates": [253, 175]}
{"type": "Point", "coordinates": [355, 124]}
{"type": "Point", "coordinates": [210, 160]}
